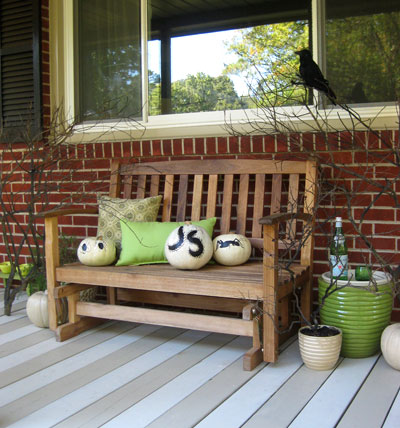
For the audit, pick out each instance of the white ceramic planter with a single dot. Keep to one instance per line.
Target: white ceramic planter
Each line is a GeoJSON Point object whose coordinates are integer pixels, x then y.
{"type": "Point", "coordinates": [319, 353]}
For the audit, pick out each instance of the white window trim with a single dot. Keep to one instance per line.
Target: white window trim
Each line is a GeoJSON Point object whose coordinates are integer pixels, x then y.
{"type": "Point", "coordinates": [203, 124]}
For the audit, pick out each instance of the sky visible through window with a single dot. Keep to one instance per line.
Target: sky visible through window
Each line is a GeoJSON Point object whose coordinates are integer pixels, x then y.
{"type": "Point", "coordinates": [205, 53]}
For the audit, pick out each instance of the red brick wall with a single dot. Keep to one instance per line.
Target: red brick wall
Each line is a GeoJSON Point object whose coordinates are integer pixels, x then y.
{"type": "Point", "coordinates": [91, 162]}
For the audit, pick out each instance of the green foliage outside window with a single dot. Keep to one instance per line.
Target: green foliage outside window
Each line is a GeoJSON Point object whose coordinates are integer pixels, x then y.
{"type": "Point", "coordinates": [267, 61]}
{"type": "Point", "coordinates": [363, 57]}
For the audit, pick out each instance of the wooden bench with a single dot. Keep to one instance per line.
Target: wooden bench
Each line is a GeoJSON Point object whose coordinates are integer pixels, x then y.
{"type": "Point", "coordinates": [250, 197]}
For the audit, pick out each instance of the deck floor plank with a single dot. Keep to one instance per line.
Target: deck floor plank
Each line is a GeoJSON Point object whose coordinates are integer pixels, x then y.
{"type": "Point", "coordinates": [393, 417]}
{"type": "Point", "coordinates": [288, 401]}
{"type": "Point", "coordinates": [87, 394]}
{"type": "Point", "coordinates": [18, 333]}
{"type": "Point", "coordinates": [372, 403]}
{"type": "Point", "coordinates": [60, 353]}
{"type": "Point", "coordinates": [343, 385]}
{"type": "Point", "coordinates": [70, 383]}
{"type": "Point", "coordinates": [9, 327]}
{"type": "Point", "coordinates": [23, 342]}
{"type": "Point", "coordinates": [18, 304]}
{"type": "Point", "coordinates": [164, 398]}
{"type": "Point", "coordinates": [39, 349]}
{"type": "Point", "coordinates": [238, 408]}
{"type": "Point", "coordinates": [73, 364]}
{"type": "Point", "coordinates": [4, 319]}
{"type": "Point", "coordinates": [191, 410]}
{"type": "Point", "coordinates": [123, 398]}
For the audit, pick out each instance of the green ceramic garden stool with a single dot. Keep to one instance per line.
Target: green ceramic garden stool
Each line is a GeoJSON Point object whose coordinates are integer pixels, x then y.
{"type": "Point", "coordinates": [359, 312]}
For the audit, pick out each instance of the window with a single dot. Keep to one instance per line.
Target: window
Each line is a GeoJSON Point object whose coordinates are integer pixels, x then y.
{"type": "Point", "coordinates": [363, 50]}
{"type": "Point", "coordinates": [183, 68]}
{"type": "Point", "coordinates": [20, 68]}
{"type": "Point", "coordinates": [108, 64]}
{"type": "Point", "coordinates": [202, 56]}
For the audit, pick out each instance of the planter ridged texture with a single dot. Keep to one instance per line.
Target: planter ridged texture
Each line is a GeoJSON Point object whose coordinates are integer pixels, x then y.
{"type": "Point", "coordinates": [319, 353]}
{"type": "Point", "coordinates": [361, 314]}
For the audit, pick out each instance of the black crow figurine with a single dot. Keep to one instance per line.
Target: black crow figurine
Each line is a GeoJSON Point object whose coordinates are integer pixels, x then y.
{"type": "Point", "coordinates": [312, 75]}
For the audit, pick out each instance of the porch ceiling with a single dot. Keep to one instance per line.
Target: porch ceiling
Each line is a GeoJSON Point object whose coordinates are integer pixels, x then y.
{"type": "Point", "coordinates": [185, 17]}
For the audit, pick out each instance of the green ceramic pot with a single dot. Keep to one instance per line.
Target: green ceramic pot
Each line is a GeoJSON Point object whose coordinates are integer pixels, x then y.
{"type": "Point", "coordinates": [360, 312]}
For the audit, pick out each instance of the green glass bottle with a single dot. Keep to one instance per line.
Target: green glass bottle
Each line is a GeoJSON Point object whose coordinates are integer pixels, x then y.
{"type": "Point", "coordinates": [339, 259]}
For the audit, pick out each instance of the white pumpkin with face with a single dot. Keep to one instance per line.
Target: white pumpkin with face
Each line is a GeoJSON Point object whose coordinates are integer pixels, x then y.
{"type": "Point", "coordinates": [96, 252]}
{"type": "Point", "coordinates": [231, 249]}
{"type": "Point", "coordinates": [188, 247]}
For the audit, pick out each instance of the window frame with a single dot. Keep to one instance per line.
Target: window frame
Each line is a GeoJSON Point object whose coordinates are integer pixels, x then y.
{"type": "Point", "coordinates": [201, 124]}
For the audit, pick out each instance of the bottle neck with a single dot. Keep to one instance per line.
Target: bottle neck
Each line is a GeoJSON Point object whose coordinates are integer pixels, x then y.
{"type": "Point", "coordinates": [338, 230]}
{"type": "Point", "coordinates": [338, 227]}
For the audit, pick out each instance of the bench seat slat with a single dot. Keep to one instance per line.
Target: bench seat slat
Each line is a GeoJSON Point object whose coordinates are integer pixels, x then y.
{"type": "Point", "coordinates": [239, 282]}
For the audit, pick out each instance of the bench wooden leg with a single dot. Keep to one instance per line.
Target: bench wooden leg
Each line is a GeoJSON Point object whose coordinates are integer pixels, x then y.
{"type": "Point", "coordinates": [76, 324]}
{"type": "Point", "coordinates": [68, 330]}
{"type": "Point", "coordinates": [254, 356]}
{"type": "Point", "coordinates": [111, 296]}
{"type": "Point", "coordinates": [73, 317]}
{"type": "Point", "coordinates": [270, 305]}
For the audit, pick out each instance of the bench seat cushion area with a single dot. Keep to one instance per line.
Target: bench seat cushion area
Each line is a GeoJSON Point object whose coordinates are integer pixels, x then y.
{"type": "Point", "coordinates": [229, 300]}
{"type": "Point", "coordinates": [243, 282]}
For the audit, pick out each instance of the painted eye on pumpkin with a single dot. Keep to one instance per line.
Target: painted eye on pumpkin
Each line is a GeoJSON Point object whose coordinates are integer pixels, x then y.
{"type": "Point", "coordinates": [84, 247]}
{"type": "Point", "coordinates": [100, 245]}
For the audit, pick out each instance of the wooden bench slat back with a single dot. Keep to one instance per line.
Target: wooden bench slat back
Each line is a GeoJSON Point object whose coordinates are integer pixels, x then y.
{"type": "Point", "coordinates": [259, 193]}
{"type": "Point", "coordinates": [182, 197]}
{"type": "Point", "coordinates": [212, 195]}
{"type": "Point", "coordinates": [197, 197]}
{"type": "Point", "coordinates": [237, 192]}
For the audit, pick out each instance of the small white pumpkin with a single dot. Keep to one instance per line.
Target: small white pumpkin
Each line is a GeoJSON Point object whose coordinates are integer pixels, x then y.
{"type": "Point", "coordinates": [36, 309]}
{"type": "Point", "coordinates": [38, 313]}
{"type": "Point", "coordinates": [231, 249]}
{"type": "Point", "coordinates": [188, 247]}
{"type": "Point", "coordinates": [96, 252]}
{"type": "Point", "coordinates": [390, 345]}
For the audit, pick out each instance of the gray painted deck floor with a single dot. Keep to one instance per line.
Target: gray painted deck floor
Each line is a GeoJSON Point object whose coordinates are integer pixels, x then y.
{"type": "Point", "coordinates": [129, 375]}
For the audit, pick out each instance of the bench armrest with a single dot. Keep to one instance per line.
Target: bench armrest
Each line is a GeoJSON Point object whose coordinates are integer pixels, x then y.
{"type": "Point", "coordinates": [70, 211]}
{"type": "Point", "coordinates": [278, 217]}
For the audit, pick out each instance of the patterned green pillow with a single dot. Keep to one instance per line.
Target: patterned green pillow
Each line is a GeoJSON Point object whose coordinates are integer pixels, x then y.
{"type": "Point", "coordinates": [112, 210]}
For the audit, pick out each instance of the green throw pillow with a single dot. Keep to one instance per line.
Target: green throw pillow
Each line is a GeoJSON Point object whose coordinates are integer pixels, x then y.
{"type": "Point", "coordinates": [143, 243]}
{"type": "Point", "coordinates": [112, 211]}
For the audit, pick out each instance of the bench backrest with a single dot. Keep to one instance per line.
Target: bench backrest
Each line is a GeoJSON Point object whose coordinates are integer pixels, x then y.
{"type": "Point", "coordinates": [237, 192]}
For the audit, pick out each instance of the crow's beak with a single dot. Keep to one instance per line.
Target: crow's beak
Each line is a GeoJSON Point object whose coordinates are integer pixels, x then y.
{"type": "Point", "coordinates": [297, 52]}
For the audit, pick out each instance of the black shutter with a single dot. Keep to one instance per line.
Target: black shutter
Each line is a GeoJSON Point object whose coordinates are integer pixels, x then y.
{"type": "Point", "coordinates": [20, 66]}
